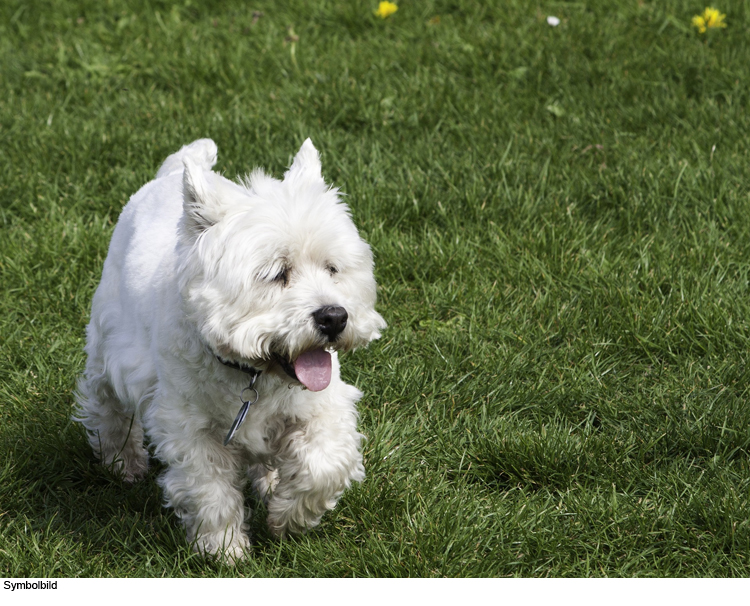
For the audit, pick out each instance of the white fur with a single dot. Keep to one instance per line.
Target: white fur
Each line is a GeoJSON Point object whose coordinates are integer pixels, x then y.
{"type": "Point", "coordinates": [193, 272]}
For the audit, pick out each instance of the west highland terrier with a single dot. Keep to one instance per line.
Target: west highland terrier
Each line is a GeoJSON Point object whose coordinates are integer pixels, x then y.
{"type": "Point", "coordinates": [214, 332]}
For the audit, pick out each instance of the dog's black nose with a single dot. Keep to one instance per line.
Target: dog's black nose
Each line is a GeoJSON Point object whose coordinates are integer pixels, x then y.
{"type": "Point", "coordinates": [331, 320]}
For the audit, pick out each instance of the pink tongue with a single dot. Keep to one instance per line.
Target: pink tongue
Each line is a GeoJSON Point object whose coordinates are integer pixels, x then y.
{"type": "Point", "coordinates": [313, 369]}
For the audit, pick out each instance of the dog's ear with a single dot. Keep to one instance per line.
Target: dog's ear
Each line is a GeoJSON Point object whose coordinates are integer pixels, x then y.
{"type": "Point", "coordinates": [200, 200]}
{"type": "Point", "coordinates": [306, 164]}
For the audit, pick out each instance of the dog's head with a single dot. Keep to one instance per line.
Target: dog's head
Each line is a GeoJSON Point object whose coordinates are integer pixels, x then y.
{"type": "Point", "coordinates": [274, 273]}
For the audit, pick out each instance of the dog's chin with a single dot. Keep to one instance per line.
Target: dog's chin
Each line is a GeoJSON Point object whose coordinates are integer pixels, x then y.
{"type": "Point", "coordinates": [286, 366]}
{"type": "Point", "coordinates": [277, 365]}
{"type": "Point", "coordinates": [311, 369]}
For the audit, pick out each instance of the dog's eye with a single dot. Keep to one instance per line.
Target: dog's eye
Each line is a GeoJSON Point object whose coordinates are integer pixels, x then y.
{"type": "Point", "coordinates": [282, 277]}
{"type": "Point", "coordinates": [331, 269]}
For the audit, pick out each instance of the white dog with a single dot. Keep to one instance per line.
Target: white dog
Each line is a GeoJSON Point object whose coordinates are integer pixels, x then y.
{"type": "Point", "coordinates": [214, 330]}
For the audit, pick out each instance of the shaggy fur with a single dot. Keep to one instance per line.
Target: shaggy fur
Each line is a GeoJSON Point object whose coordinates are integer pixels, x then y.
{"type": "Point", "coordinates": [267, 274]}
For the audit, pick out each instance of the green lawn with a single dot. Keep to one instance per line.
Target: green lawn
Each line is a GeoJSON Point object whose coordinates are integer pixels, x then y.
{"type": "Point", "coordinates": [561, 223]}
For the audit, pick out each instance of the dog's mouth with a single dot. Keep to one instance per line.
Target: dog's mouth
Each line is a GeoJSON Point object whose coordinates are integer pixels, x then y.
{"type": "Point", "coordinates": [311, 368]}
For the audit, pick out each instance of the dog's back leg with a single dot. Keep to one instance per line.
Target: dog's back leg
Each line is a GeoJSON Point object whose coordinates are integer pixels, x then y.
{"type": "Point", "coordinates": [264, 480]}
{"type": "Point", "coordinates": [114, 430]}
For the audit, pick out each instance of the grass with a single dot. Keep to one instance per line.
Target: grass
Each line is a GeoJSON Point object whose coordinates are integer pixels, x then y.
{"type": "Point", "coordinates": [561, 223]}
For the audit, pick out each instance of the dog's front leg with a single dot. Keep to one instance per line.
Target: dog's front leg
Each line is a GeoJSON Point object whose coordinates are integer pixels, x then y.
{"type": "Point", "coordinates": [316, 463]}
{"type": "Point", "coordinates": [203, 484]}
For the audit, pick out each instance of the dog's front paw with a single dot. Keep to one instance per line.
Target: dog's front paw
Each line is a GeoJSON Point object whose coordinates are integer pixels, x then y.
{"type": "Point", "coordinates": [297, 515]}
{"type": "Point", "coordinates": [280, 528]}
{"type": "Point", "coordinates": [222, 546]}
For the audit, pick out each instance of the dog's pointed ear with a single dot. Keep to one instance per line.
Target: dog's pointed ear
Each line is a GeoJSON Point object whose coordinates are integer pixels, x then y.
{"type": "Point", "coordinates": [306, 163]}
{"type": "Point", "coordinates": [200, 201]}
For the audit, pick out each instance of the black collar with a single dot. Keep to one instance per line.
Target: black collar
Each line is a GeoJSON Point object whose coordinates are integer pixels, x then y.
{"type": "Point", "coordinates": [242, 367]}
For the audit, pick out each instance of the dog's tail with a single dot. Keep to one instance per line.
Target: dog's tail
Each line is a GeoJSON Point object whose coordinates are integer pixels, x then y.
{"type": "Point", "coordinates": [202, 152]}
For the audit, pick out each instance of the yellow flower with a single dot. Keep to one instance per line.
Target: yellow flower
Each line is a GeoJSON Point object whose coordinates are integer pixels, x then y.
{"type": "Point", "coordinates": [710, 19]}
{"type": "Point", "coordinates": [386, 9]}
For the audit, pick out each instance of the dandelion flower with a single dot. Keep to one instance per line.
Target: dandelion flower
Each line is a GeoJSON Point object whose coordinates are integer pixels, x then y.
{"type": "Point", "coordinates": [710, 19]}
{"type": "Point", "coordinates": [386, 9]}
